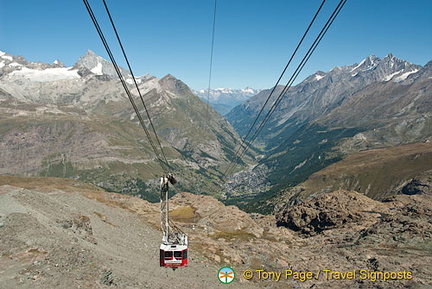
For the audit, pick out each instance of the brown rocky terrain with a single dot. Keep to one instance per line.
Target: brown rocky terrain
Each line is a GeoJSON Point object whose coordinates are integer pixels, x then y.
{"type": "Point", "coordinates": [80, 237]}
{"type": "Point", "coordinates": [58, 233]}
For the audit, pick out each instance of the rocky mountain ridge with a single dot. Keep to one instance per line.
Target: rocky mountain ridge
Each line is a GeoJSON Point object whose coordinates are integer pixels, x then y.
{"type": "Point", "coordinates": [78, 122]}
{"type": "Point", "coordinates": [321, 92]}
{"type": "Point", "coordinates": [376, 103]}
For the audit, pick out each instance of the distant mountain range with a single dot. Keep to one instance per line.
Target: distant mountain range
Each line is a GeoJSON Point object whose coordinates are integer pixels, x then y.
{"type": "Point", "coordinates": [225, 99]}
{"type": "Point", "coordinates": [77, 122]}
{"type": "Point", "coordinates": [376, 103]}
{"type": "Point", "coordinates": [344, 169]}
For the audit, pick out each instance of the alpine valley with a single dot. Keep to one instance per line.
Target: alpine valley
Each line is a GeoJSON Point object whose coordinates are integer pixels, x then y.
{"type": "Point", "coordinates": [378, 112]}
{"type": "Point", "coordinates": [77, 122]}
{"type": "Point", "coordinates": [342, 171]}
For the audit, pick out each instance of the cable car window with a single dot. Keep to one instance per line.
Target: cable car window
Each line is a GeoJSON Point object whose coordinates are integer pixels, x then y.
{"type": "Point", "coordinates": [168, 255]}
{"type": "Point", "coordinates": [185, 254]}
{"type": "Point", "coordinates": [178, 254]}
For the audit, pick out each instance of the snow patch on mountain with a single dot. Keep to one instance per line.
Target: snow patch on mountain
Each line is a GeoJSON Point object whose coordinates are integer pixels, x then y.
{"type": "Point", "coordinates": [7, 57]}
{"type": "Point", "coordinates": [357, 66]}
{"type": "Point", "coordinates": [390, 76]}
{"type": "Point", "coordinates": [147, 86]}
{"type": "Point", "coordinates": [405, 75]}
{"type": "Point", "coordinates": [97, 69]}
{"type": "Point", "coordinates": [50, 74]}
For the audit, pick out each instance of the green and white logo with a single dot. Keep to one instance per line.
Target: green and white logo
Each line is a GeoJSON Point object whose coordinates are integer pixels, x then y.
{"type": "Point", "coordinates": [226, 275]}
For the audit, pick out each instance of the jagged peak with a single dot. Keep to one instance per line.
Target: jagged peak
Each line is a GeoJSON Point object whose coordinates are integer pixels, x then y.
{"type": "Point", "coordinates": [175, 85]}
{"type": "Point", "coordinates": [372, 57]}
{"type": "Point", "coordinates": [169, 80]}
{"type": "Point", "coordinates": [90, 52]}
{"type": "Point", "coordinates": [89, 56]}
{"type": "Point", "coordinates": [57, 63]}
{"type": "Point", "coordinates": [370, 61]}
{"type": "Point", "coordinates": [97, 65]}
{"type": "Point", "coordinates": [169, 77]}
{"type": "Point", "coordinates": [390, 56]}
{"type": "Point", "coordinates": [316, 76]}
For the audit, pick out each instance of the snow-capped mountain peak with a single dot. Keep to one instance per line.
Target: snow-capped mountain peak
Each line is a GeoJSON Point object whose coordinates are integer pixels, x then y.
{"type": "Point", "coordinates": [6, 56]}
{"type": "Point", "coordinates": [224, 99]}
{"type": "Point", "coordinates": [221, 95]}
{"type": "Point", "coordinates": [58, 63]}
{"type": "Point", "coordinates": [366, 64]}
{"type": "Point", "coordinates": [14, 68]}
{"type": "Point", "coordinates": [382, 69]}
{"type": "Point", "coordinates": [96, 64]}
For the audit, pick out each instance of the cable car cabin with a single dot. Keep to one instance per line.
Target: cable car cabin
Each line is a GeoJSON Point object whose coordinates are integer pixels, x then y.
{"type": "Point", "coordinates": [174, 245]}
{"type": "Point", "coordinates": [173, 255]}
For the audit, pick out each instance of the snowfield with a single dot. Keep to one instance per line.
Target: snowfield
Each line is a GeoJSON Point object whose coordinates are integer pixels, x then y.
{"type": "Point", "coordinates": [97, 69]}
{"type": "Point", "coordinates": [51, 74]}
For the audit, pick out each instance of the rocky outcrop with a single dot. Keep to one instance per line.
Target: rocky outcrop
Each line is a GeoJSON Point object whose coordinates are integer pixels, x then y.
{"type": "Point", "coordinates": [328, 211]}
{"type": "Point", "coordinates": [417, 186]}
{"type": "Point", "coordinates": [407, 223]}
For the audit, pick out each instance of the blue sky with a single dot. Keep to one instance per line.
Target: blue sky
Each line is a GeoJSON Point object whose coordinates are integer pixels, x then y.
{"type": "Point", "coordinates": [253, 39]}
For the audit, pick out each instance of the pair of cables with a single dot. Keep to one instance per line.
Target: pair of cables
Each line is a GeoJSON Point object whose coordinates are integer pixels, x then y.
{"type": "Point", "coordinates": [246, 143]}
{"type": "Point", "coordinates": [157, 148]}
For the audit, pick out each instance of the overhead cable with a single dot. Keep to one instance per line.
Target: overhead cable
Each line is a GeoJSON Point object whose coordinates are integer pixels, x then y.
{"type": "Point", "coordinates": [211, 54]}
{"type": "Point", "coordinates": [234, 163]}
{"type": "Point", "coordinates": [135, 82]}
{"type": "Point", "coordinates": [162, 161]}
{"type": "Point", "coordinates": [246, 144]}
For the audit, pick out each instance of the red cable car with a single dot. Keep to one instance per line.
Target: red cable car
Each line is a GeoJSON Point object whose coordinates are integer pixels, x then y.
{"type": "Point", "coordinates": [173, 255]}
{"type": "Point", "coordinates": [174, 245]}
